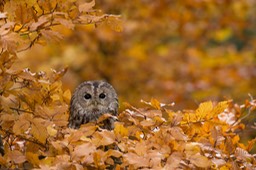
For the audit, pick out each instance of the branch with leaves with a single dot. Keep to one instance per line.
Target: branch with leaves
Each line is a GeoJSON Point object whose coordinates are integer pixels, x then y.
{"type": "Point", "coordinates": [24, 23]}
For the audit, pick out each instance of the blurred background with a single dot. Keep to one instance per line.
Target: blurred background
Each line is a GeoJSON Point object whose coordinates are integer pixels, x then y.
{"type": "Point", "coordinates": [175, 51]}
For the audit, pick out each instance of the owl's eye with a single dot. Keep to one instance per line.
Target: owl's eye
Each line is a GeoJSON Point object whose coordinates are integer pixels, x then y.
{"type": "Point", "coordinates": [87, 96]}
{"type": "Point", "coordinates": [102, 95]}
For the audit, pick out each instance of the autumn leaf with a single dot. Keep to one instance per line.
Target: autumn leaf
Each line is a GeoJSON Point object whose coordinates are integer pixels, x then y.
{"type": "Point", "coordinates": [32, 158]}
{"type": "Point", "coordinates": [39, 131]}
{"type": "Point", "coordinates": [200, 161]}
{"type": "Point", "coordinates": [134, 159]}
{"type": "Point", "coordinates": [173, 161]}
{"type": "Point", "coordinates": [50, 35]}
{"type": "Point", "coordinates": [86, 7]}
{"type": "Point", "coordinates": [178, 134]}
{"type": "Point", "coordinates": [51, 131]}
{"type": "Point", "coordinates": [16, 156]}
{"type": "Point", "coordinates": [156, 104]}
{"type": "Point", "coordinates": [84, 150]}
{"type": "Point", "coordinates": [204, 109]}
{"type": "Point", "coordinates": [120, 130]}
{"type": "Point", "coordinates": [40, 23]}
{"type": "Point", "coordinates": [103, 138]}
{"type": "Point", "coordinates": [21, 126]}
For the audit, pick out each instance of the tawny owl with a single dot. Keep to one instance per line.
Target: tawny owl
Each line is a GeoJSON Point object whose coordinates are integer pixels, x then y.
{"type": "Point", "coordinates": [90, 100]}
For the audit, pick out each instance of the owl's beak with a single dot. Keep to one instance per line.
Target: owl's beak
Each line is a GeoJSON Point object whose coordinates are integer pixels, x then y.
{"type": "Point", "coordinates": [95, 103]}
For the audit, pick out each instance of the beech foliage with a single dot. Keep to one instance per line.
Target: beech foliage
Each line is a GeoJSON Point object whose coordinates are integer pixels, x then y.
{"type": "Point", "coordinates": [34, 109]}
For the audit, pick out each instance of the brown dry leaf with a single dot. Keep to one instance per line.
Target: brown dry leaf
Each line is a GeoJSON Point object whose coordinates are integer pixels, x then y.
{"type": "Point", "coordinates": [141, 148]}
{"type": "Point", "coordinates": [103, 117]}
{"type": "Point", "coordinates": [217, 136]}
{"type": "Point", "coordinates": [9, 42]}
{"type": "Point", "coordinates": [229, 146]}
{"type": "Point", "coordinates": [41, 22]}
{"type": "Point", "coordinates": [173, 161]}
{"type": "Point", "coordinates": [3, 160]}
{"type": "Point", "coordinates": [39, 131]}
{"type": "Point", "coordinates": [75, 136]}
{"type": "Point", "coordinates": [114, 153]}
{"type": "Point", "coordinates": [32, 158]}
{"type": "Point", "coordinates": [27, 75]}
{"type": "Point", "coordinates": [51, 36]}
{"type": "Point", "coordinates": [8, 118]}
{"type": "Point", "coordinates": [178, 134]}
{"type": "Point", "coordinates": [137, 161]}
{"type": "Point", "coordinates": [200, 161]}
{"type": "Point", "coordinates": [191, 149]}
{"type": "Point", "coordinates": [147, 123]}
{"type": "Point", "coordinates": [65, 22]}
{"type": "Point", "coordinates": [84, 150]}
{"type": "Point", "coordinates": [21, 126]}
{"type": "Point", "coordinates": [16, 156]}
{"type": "Point", "coordinates": [242, 154]}
{"type": "Point", "coordinates": [86, 7]}
{"type": "Point", "coordinates": [103, 138]}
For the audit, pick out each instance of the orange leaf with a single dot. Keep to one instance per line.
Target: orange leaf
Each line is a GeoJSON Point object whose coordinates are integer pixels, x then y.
{"type": "Point", "coordinates": [32, 158]}
{"type": "Point", "coordinates": [137, 161]}
{"type": "Point", "coordinates": [39, 131]}
{"type": "Point", "coordinates": [103, 138]}
{"type": "Point", "coordinates": [84, 150]}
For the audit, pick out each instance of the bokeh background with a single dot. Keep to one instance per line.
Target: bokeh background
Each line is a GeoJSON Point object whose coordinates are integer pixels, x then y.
{"type": "Point", "coordinates": [175, 51]}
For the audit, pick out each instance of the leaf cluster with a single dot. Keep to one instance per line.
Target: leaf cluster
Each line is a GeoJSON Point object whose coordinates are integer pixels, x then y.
{"type": "Point", "coordinates": [34, 106]}
{"type": "Point", "coordinates": [25, 23]}
{"type": "Point", "coordinates": [34, 114]}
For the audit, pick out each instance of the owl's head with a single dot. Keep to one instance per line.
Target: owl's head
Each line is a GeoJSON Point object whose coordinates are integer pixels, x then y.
{"type": "Point", "coordinates": [98, 95]}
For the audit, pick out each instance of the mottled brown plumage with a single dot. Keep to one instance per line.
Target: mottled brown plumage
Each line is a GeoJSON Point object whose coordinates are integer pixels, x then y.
{"type": "Point", "coordinates": [90, 100]}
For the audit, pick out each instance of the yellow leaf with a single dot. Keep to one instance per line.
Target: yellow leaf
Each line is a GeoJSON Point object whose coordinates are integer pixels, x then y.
{"type": "Point", "coordinates": [120, 130]}
{"type": "Point", "coordinates": [219, 108]}
{"type": "Point", "coordinates": [155, 103]}
{"type": "Point", "coordinates": [67, 96]}
{"type": "Point", "coordinates": [51, 131]}
{"type": "Point", "coordinates": [115, 24]}
{"type": "Point", "coordinates": [223, 34]}
{"type": "Point", "coordinates": [204, 109]}
{"type": "Point", "coordinates": [32, 158]}
{"type": "Point", "coordinates": [55, 97]}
